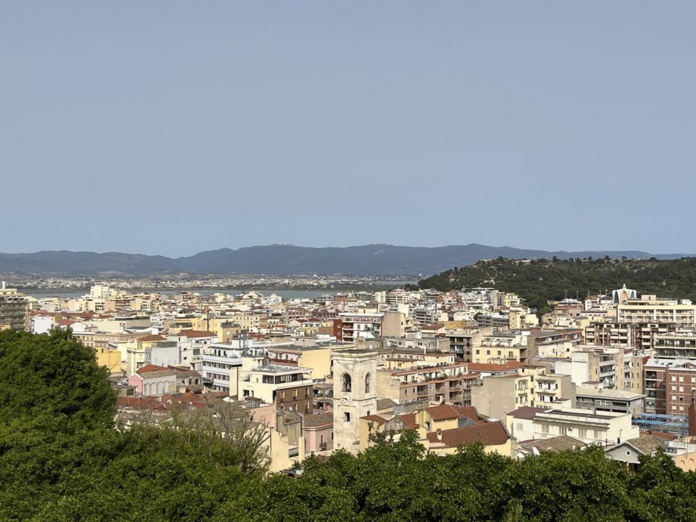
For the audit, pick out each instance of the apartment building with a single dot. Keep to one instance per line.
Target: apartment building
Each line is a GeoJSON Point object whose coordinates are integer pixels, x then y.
{"type": "Point", "coordinates": [552, 343]}
{"type": "Point", "coordinates": [676, 345]}
{"type": "Point", "coordinates": [217, 363]}
{"type": "Point", "coordinates": [532, 386]}
{"type": "Point", "coordinates": [500, 346]}
{"type": "Point", "coordinates": [450, 383]}
{"type": "Point", "coordinates": [350, 327]}
{"type": "Point", "coordinates": [612, 368]}
{"type": "Point", "coordinates": [288, 387]}
{"type": "Point", "coordinates": [14, 308]}
{"type": "Point", "coordinates": [669, 385]}
{"type": "Point", "coordinates": [640, 335]}
{"type": "Point", "coordinates": [601, 399]}
{"type": "Point", "coordinates": [605, 428]}
{"type": "Point", "coordinates": [654, 310]}
{"type": "Point", "coordinates": [460, 344]}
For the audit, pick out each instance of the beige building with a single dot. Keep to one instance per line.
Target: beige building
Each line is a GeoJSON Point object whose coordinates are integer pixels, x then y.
{"type": "Point", "coordinates": [533, 386]}
{"type": "Point", "coordinates": [607, 367]}
{"type": "Point", "coordinates": [314, 356]}
{"type": "Point", "coordinates": [605, 428]}
{"type": "Point", "coordinates": [288, 387]}
{"type": "Point", "coordinates": [449, 383]}
{"type": "Point", "coordinates": [14, 308]}
{"type": "Point", "coordinates": [650, 309]}
{"type": "Point", "coordinates": [497, 347]}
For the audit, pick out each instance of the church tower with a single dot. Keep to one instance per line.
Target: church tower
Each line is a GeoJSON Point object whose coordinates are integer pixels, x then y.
{"type": "Point", "coordinates": [355, 394]}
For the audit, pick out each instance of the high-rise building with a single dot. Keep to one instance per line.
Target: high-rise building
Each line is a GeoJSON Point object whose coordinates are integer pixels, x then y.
{"type": "Point", "coordinates": [13, 309]}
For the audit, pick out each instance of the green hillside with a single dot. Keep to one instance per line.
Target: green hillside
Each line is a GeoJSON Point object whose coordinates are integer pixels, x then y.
{"type": "Point", "coordinates": [540, 280]}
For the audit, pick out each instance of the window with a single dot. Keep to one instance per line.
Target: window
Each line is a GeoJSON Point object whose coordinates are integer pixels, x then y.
{"type": "Point", "coordinates": [346, 417]}
{"type": "Point", "coordinates": [368, 379]}
{"type": "Point", "coordinates": [544, 428]}
{"type": "Point", "coordinates": [346, 383]}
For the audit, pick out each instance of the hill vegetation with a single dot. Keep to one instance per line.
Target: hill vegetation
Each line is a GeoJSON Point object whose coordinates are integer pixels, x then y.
{"type": "Point", "coordinates": [62, 459]}
{"type": "Point", "coordinates": [540, 280]}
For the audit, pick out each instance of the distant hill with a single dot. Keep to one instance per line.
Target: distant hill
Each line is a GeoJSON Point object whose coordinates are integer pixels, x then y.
{"type": "Point", "coordinates": [553, 279]}
{"type": "Point", "coordinates": [285, 260]}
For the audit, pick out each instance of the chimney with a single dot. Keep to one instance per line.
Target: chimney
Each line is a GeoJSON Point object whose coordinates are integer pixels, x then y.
{"type": "Point", "coordinates": [439, 434]}
{"type": "Point", "coordinates": [692, 419]}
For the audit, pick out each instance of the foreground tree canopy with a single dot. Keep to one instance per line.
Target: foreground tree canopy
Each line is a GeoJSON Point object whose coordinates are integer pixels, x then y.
{"type": "Point", "coordinates": [61, 459]}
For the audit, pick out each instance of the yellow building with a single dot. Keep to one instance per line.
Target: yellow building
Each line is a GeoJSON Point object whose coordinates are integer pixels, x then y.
{"type": "Point", "coordinates": [111, 359]}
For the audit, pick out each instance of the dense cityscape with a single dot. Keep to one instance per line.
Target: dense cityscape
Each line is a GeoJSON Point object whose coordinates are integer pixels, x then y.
{"type": "Point", "coordinates": [338, 370]}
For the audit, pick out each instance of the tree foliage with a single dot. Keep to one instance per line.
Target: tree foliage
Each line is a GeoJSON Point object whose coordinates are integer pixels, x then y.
{"type": "Point", "coordinates": [53, 378]}
{"type": "Point", "coordinates": [538, 281]}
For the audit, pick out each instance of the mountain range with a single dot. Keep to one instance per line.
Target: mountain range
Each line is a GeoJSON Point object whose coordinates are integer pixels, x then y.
{"type": "Point", "coordinates": [378, 260]}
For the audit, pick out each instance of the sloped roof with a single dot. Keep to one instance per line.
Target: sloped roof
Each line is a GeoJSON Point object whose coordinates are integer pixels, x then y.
{"type": "Point", "coordinates": [560, 443]}
{"type": "Point", "coordinates": [151, 368]}
{"type": "Point", "coordinates": [192, 334]}
{"type": "Point", "coordinates": [647, 444]}
{"type": "Point", "coordinates": [525, 412]}
{"type": "Point", "coordinates": [375, 418]}
{"type": "Point", "coordinates": [322, 419]}
{"type": "Point", "coordinates": [490, 433]}
{"type": "Point", "coordinates": [151, 338]}
{"type": "Point", "coordinates": [449, 411]}
{"type": "Point", "coordinates": [409, 420]}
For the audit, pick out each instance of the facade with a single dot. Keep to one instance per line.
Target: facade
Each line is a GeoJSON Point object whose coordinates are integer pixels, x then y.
{"type": "Point", "coordinates": [599, 399]}
{"type": "Point", "coordinates": [669, 385]}
{"type": "Point", "coordinates": [287, 387]}
{"type": "Point", "coordinates": [650, 309]}
{"type": "Point", "coordinates": [500, 394]}
{"type": "Point", "coordinates": [617, 368]}
{"type": "Point", "coordinates": [352, 326]}
{"type": "Point", "coordinates": [14, 308]}
{"type": "Point", "coordinates": [218, 362]}
{"type": "Point", "coordinates": [450, 383]}
{"type": "Point", "coordinates": [604, 428]}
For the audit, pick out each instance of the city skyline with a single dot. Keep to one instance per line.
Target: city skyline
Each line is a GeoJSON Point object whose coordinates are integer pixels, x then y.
{"type": "Point", "coordinates": [181, 129]}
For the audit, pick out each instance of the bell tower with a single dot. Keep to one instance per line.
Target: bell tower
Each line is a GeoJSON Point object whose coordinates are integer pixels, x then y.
{"type": "Point", "coordinates": [355, 394]}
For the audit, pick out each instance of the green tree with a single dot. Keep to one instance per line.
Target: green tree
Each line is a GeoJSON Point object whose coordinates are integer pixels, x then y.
{"type": "Point", "coordinates": [53, 378]}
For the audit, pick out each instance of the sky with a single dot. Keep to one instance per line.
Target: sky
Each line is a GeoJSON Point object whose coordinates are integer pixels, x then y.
{"type": "Point", "coordinates": [174, 127]}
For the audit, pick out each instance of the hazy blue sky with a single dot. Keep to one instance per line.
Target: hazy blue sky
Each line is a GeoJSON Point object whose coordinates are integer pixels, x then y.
{"type": "Point", "coordinates": [172, 127]}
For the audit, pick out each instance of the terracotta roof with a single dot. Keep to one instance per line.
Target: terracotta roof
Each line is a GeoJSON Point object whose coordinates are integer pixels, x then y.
{"type": "Point", "coordinates": [449, 411]}
{"type": "Point", "coordinates": [663, 435]}
{"type": "Point", "coordinates": [137, 403]}
{"type": "Point", "coordinates": [490, 433]}
{"type": "Point", "coordinates": [375, 418]}
{"type": "Point", "coordinates": [149, 338]}
{"type": "Point", "coordinates": [647, 444]}
{"type": "Point", "coordinates": [409, 420]}
{"type": "Point", "coordinates": [151, 368]}
{"type": "Point", "coordinates": [525, 412]}
{"type": "Point", "coordinates": [560, 443]}
{"type": "Point", "coordinates": [192, 334]}
{"type": "Point", "coordinates": [323, 419]}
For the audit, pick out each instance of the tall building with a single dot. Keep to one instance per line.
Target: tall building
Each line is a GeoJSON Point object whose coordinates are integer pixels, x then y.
{"type": "Point", "coordinates": [13, 309]}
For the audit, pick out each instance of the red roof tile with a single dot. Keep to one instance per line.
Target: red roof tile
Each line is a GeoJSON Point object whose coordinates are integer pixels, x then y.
{"type": "Point", "coordinates": [151, 368]}
{"type": "Point", "coordinates": [491, 434]}
{"type": "Point", "coordinates": [193, 334]}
